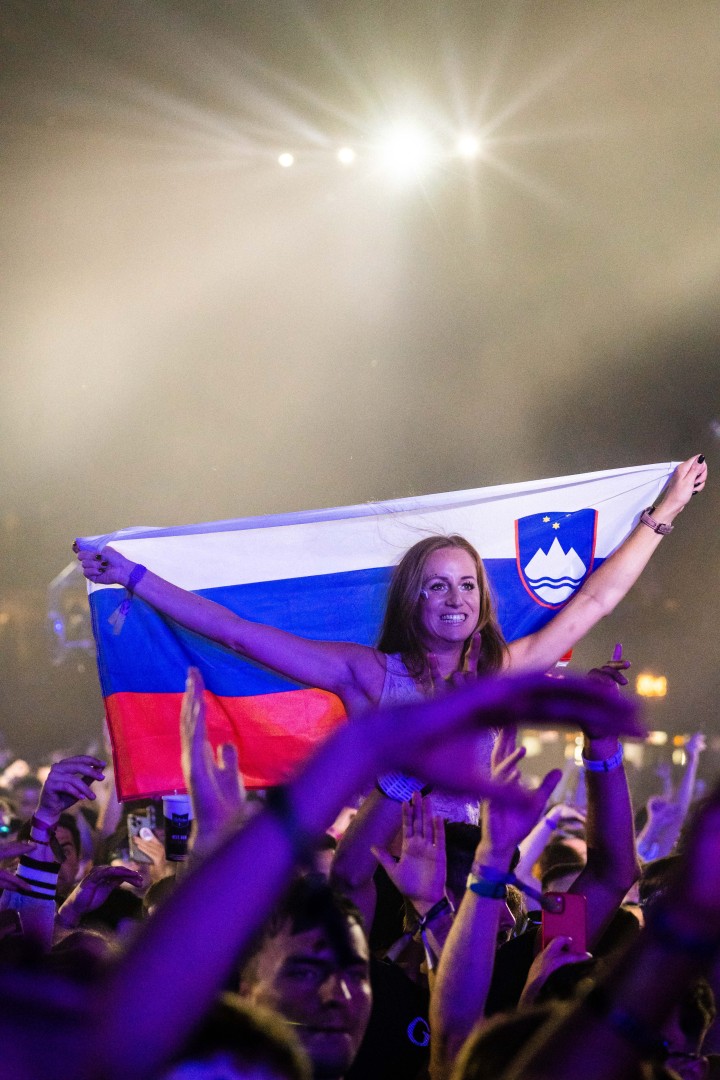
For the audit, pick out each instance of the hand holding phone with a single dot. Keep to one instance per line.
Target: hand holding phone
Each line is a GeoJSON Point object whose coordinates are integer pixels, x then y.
{"type": "Point", "coordinates": [569, 921]}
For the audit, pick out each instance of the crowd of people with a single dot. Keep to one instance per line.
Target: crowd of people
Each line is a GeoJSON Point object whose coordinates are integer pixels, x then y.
{"type": "Point", "coordinates": [408, 906]}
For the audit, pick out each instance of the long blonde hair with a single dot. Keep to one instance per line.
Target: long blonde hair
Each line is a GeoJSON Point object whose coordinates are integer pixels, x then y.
{"type": "Point", "coordinates": [401, 628]}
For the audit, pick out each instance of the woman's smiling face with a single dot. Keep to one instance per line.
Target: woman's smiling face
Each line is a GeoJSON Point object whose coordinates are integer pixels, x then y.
{"type": "Point", "coordinates": [450, 612]}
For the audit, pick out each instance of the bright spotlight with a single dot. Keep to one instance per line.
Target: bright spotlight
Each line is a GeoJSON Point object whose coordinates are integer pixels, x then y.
{"type": "Point", "coordinates": [286, 160]}
{"type": "Point", "coordinates": [468, 146]}
{"type": "Point", "coordinates": [346, 155]}
{"type": "Point", "coordinates": [405, 153]}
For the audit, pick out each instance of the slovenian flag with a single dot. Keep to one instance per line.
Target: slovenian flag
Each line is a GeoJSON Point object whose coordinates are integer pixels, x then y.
{"type": "Point", "coordinates": [324, 574]}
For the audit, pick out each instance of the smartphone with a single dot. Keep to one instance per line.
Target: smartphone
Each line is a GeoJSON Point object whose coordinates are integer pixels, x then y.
{"type": "Point", "coordinates": [570, 920]}
{"type": "Point", "coordinates": [142, 819]}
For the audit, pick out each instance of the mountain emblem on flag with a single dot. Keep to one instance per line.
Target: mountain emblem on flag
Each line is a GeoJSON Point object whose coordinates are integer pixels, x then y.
{"type": "Point", "coordinates": [555, 552]}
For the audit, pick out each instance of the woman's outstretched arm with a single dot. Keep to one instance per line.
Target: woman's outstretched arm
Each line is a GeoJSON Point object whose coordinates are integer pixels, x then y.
{"type": "Point", "coordinates": [351, 671]}
{"type": "Point", "coordinates": [607, 586]}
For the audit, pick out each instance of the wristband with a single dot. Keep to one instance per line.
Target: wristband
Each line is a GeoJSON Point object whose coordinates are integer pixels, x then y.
{"type": "Point", "coordinates": [117, 619]}
{"type": "Point", "coordinates": [442, 907]}
{"type": "Point", "coordinates": [138, 573]}
{"type": "Point", "coordinates": [493, 890]}
{"type": "Point", "coordinates": [657, 526]}
{"type": "Point", "coordinates": [401, 788]}
{"type": "Point", "coordinates": [493, 884]}
{"type": "Point", "coordinates": [603, 766]}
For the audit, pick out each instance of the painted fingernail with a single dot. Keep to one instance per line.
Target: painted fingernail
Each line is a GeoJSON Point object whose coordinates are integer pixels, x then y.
{"type": "Point", "coordinates": [701, 459]}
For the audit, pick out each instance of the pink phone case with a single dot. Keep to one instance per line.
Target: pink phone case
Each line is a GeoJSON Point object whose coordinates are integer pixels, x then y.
{"type": "Point", "coordinates": [570, 921]}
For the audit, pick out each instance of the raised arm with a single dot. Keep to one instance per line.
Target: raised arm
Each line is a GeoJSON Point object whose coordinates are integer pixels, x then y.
{"type": "Point", "coordinates": [353, 672]}
{"type": "Point", "coordinates": [466, 965]}
{"type": "Point", "coordinates": [607, 586]}
{"type": "Point", "coordinates": [612, 867]}
{"type": "Point", "coordinates": [438, 739]}
{"type": "Point", "coordinates": [616, 1025]}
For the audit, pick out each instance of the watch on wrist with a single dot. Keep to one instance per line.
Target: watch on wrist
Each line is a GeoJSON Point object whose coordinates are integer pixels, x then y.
{"type": "Point", "coordinates": [659, 527]}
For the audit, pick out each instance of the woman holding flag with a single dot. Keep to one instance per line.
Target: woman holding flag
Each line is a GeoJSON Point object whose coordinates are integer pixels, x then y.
{"type": "Point", "coordinates": [440, 624]}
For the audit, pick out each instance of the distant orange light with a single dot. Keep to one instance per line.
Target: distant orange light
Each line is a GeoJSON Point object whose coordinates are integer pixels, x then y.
{"type": "Point", "coordinates": [648, 685]}
{"type": "Point", "coordinates": [678, 740]}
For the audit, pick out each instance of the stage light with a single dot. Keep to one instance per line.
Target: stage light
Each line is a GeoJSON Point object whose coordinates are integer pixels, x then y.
{"type": "Point", "coordinates": [405, 153]}
{"type": "Point", "coordinates": [648, 685]}
{"type": "Point", "coordinates": [657, 738]}
{"type": "Point", "coordinates": [468, 146]}
{"type": "Point", "coordinates": [286, 160]}
{"type": "Point", "coordinates": [346, 155]}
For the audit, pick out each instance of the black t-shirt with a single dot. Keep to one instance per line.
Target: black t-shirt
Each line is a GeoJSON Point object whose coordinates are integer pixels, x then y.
{"type": "Point", "coordinates": [397, 1042]}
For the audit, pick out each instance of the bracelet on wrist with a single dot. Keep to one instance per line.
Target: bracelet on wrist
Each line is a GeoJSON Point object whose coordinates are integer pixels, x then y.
{"type": "Point", "coordinates": [607, 765]}
{"type": "Point", "coordinates": [117, 619]}
{"type": "Point", "coordinates": [493, 890]}
{"type": "Point", "coordinates": [659, 527]}
{"type": "Point", "coordinates": [442, 907]}
{"type": "Point", "coordinates": [493, 884]}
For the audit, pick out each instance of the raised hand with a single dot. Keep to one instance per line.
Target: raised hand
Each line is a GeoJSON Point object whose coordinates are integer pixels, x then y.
{"type": "Point", "coordinates": [107, 566]}
{"type": "Point", "coordinates": [505, 824]}
{"type": "Point", "coordinates": [93, 891]}
{"type": "Point", "coordinates": [613, 670]}
{"type": "Point", "coordinates": [555, 955]}
{"type": "Point", "coordinates": [420, 874]}
{"type": "Point", "coordinates": [695, 745]}
{"type": "Point", "coordinates": [439, 742]}
{"type": "Point", "coordinates": [688, 479]}
{"type": "Point", "coordinates": [155, 851]}
{"type": "Point", "coordinates": [67, 783]}
{"type": "Point", "coordinates": [663, 814]}
{"type": "Point", "coordinates": [215, 787]}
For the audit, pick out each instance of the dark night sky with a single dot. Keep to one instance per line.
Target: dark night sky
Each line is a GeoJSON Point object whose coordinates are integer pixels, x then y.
{"type": "Point", "coordinates": [190, 332]}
